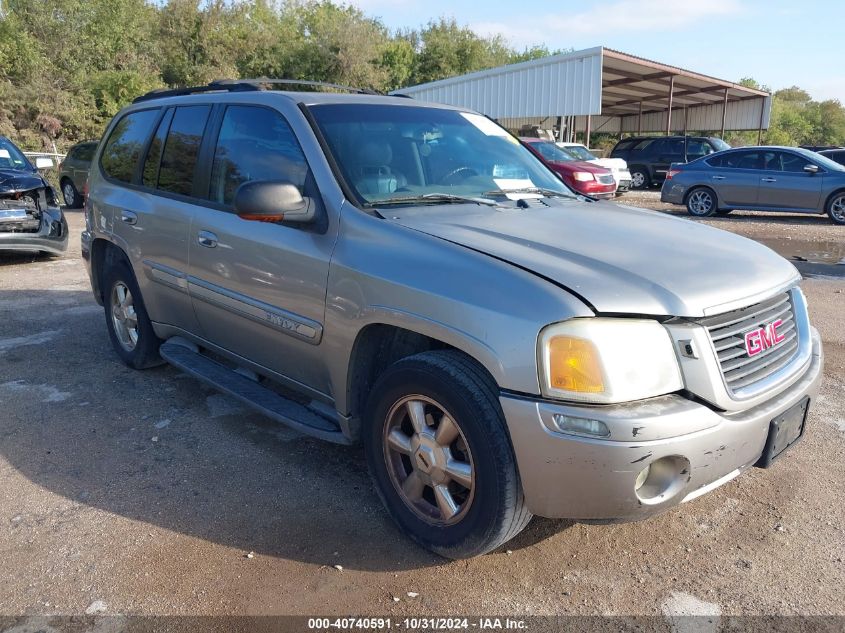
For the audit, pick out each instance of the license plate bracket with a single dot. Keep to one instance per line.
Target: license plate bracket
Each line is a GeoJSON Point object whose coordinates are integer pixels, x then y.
{"type": "Point", "coordinates": [784, 431]}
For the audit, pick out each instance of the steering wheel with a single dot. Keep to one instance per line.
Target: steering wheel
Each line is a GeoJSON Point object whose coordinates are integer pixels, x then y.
{"type": "Point", "coordinates": [469, 171]}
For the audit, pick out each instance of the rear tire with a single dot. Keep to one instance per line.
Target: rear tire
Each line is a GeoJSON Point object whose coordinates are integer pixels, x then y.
{"type": "Point", "coordinates": [836, 208]}
{"type": "Point", "coordinates": [701, 202]}
{"type": "Point", "coordinates": [444, 394]}
{"type": "Point", "coordinates": [130, 329]}
{"type": "Point", "coordinates": [640, 178]}
{"type": "Point", "coordinates": [72, 198]}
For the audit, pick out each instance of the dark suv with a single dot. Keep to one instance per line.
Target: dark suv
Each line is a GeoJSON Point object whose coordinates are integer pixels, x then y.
{"type": "Point", "coordinates": [649, 157]}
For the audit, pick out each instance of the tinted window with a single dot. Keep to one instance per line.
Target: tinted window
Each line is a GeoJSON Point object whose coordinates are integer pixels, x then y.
{"type": "Point", "coordinates": [150, 175]}
{"type": "Point", "coordinates": [85, 152]}
{"type": "Point", "coordinates": [179, 159]}
{"type": "Point", "coordinates": [642, 145]}
{"type": "Point", "coordinates": [622, 146]}
{"type": "Point", "coordinates": [125, 143]}
{"type": "Point", "coordinates": [696, 148]}
{"type": "Point", "coordinates": [674, 147]}
{"type": "Point", "coordinates": [737, 160]}
{"type": "Point", "coordinates": [792, 162]}
{"type": "Point", "coordinates": [254, 144]}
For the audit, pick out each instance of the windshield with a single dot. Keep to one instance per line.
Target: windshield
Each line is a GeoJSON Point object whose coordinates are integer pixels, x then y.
{"type": "Point", "coordinates": [552, 152]}
{"type": "Point", "coordinates": [389, 152]}
{"type": "Point", "coordinates": [719, 144]}
{"type": "Point", "coordinates": [580, 152]}
{"type": "Point", "coordinates": [12, 158]}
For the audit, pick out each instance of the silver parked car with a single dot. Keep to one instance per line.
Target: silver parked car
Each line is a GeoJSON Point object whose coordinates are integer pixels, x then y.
{"type": "Point", "coordinates": [407, 276]}
{"type": "Point", "coordinates": [760, 179]}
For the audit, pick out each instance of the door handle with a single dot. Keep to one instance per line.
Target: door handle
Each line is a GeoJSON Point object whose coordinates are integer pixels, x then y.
{"type": "Point", "coordinates": [769, 179]}
{"type": "Point", "coordinates": [718, 177]}
{"type": "Point", "coordinates": [207, 239]}
{"type": "Point", "coordinates": [130, 217]}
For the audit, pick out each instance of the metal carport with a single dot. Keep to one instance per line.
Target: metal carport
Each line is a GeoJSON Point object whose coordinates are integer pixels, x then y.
{"type": "Point", "coordinates": [600, 89]}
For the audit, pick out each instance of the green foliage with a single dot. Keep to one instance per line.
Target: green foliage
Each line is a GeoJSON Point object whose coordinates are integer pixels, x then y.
{"type": "Point", "coordinates": [67, 66]}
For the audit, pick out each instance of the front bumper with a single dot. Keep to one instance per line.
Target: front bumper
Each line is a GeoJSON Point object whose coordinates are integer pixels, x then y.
{"type": "Point", "coordinates": [51, 237]}
{"type": "Point", "coordinates": [576, 477]}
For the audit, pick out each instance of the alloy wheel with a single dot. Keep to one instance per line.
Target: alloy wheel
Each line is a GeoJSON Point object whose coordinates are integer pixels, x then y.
{"type": "Point", "coordinates": [837, 209]}
{"type": "Point", "coordinates": [124, 317]}
{"type": "Point", "coordinates": [700, 203]}
{"type": "Point", "coordinates": [428, 460]}
{"type": "Point", "coordinates": [69, 194]}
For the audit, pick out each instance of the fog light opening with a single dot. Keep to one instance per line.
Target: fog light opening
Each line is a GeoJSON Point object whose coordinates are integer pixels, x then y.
{"type": "Point", "coordinates": [580, 426]}
{"type": "Point", "coordinates": [662, 479]}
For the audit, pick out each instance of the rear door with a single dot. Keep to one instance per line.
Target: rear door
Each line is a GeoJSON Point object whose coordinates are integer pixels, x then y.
{"type": "Point", "coordinates": [258, 288]}
{"type": "Point", "coordinates": [735, 176]}
{"type": "Point", "coordinates": [663, 153]}
{"type": "Point", "coordinates": [785, 185]}
{"type": "Point", "coordinates": [152, 206]}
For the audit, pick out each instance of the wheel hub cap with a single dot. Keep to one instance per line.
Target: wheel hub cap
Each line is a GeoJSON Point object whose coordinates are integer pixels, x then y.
{"type": "Point", "coordinates": [428, 460]}
{"type": "Point", "coordinates": [124, 317]}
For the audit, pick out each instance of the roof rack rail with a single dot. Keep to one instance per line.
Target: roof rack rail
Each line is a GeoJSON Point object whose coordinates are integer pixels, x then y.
{"type": "Point", "coordinates": [246, 85]}
{"type": "Point", "coordinates": [267, 81]}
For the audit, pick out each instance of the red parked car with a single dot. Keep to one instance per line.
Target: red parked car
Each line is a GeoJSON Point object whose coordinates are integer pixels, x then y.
{"type": "Point", "coordinates": [585, 178]}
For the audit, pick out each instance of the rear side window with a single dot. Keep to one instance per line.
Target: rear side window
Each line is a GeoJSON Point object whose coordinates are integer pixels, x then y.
{"type": "Point", "coordinates": [254, 143]}
{"type": "Point", "coordinates": [642, 145]}
{"type": "Point", "coordinates": [737, 160]}
{"type": "Point", "coordinates": [179, 158]}
{"type": "Point", "coordinates": [623, 146]}
{"type": "Point", "coordinates": [85, 152]}
{"type": "Point", "coordinates": [123, 147]}
{"type": "Point", "coordinates": [149, 177]}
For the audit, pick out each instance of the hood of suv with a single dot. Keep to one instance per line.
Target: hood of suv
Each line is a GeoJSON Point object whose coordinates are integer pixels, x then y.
{"type": "Point", "coordinates": [619, 259]}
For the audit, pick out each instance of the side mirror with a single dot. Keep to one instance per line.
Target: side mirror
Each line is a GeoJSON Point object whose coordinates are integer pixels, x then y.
{"type": "Point", "coordinates": [42, 162]}
{"type": "Point", "coordinates": [273, 201]}
{"type": "Point", "coordinates": [810, 168]}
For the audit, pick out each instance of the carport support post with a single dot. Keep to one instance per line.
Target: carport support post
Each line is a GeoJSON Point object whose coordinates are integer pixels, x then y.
{"type": "Point", "coordinates": [640, 120]}
{"type": "Point", "coordinates": [760, 128]}
{"type": "Point", "coordinates": [724, 113]}
{"type": "Point", "coordinates": [669, 110]}
{"type": "Point", "coordinates": [587, 132]}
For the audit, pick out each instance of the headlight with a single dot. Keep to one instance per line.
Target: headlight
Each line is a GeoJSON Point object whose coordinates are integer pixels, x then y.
{"type": "Point", "coordinates": [604, 361]}
{"type": "Point", "coordinates": [583, 176]}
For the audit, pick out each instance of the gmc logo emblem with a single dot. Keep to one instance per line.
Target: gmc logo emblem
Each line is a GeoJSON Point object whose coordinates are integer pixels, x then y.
{"type": "Point", "coordinates": [762, 339]}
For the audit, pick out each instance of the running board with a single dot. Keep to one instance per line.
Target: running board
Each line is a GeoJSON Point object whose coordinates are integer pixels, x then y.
{"type": "Point", "coordinates": [186, 357]}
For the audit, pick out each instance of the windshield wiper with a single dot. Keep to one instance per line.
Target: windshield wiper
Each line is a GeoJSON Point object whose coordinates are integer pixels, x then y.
{"type": "Point", "coordinates": [434, 197]}
{"type": "Point", "coordinates": [541, 190]}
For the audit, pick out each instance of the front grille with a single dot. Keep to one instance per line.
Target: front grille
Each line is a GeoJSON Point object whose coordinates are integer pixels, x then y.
{"type": "Point", "coordinates": [727, 332]}
{"type": "Point", "coordinates": [606, 179]}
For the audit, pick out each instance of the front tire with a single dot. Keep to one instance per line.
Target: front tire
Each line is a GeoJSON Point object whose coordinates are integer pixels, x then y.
{"type": "Point", "coordinates": [129, 326]}
{"type": "Point", "coordinates": [439, 452]}
{"type": "Point", "coordinates": [701, 202]}
{"type": "Point", "coordinates": [836, 208]}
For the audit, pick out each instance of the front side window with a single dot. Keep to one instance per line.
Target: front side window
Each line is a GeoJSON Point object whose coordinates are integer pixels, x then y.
{"type": "Point", "coordinates": [389, 151]}
{"type": "Point", "coordinates": [127, 139]}
{"type": "Point", "coordinates": [697, 148]}
{"type": "Point", "coordinates": [179, 157]}
{"type": "Point", "coordinates": [254, 144]}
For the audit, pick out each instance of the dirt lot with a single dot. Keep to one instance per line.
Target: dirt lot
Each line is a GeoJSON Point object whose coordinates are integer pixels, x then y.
{"type": "Point", "coordinates": [146, 493]}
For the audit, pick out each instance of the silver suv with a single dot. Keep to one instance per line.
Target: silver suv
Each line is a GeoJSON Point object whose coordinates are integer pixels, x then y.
{"type": "Point", "coordinates": [407, 276]}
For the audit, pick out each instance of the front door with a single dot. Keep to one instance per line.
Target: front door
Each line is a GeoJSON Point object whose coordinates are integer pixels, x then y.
{"type": "Point", "coordinates": [259, 289]}
{"type": "Point", "coordinates": [785, 185]}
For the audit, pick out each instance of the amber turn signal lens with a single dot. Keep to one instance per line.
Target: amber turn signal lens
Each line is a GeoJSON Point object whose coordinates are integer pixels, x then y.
{"type": "Point", "coordinates": [574, 365]}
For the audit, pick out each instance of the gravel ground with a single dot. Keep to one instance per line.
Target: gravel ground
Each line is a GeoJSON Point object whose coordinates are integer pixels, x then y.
{"type": "Point", "coordinates": [146, 493]}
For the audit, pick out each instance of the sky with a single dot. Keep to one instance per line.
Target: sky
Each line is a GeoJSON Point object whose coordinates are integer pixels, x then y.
{"type": "Point", "coordinates": [780, 43]}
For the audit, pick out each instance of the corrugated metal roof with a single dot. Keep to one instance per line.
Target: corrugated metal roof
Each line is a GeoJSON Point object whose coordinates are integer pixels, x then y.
{"type": "Point", "coordinates": [601, 81]}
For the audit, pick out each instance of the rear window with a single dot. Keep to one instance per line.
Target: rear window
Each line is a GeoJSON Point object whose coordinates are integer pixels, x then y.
{"type": "Point", "coordinates": [85, 152]}
{"type": "Point", "coordinates": [125, 144]}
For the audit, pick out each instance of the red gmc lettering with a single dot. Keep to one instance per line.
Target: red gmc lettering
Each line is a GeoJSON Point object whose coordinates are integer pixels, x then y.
{"type": "Point", "coordinates": [762, 339]}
